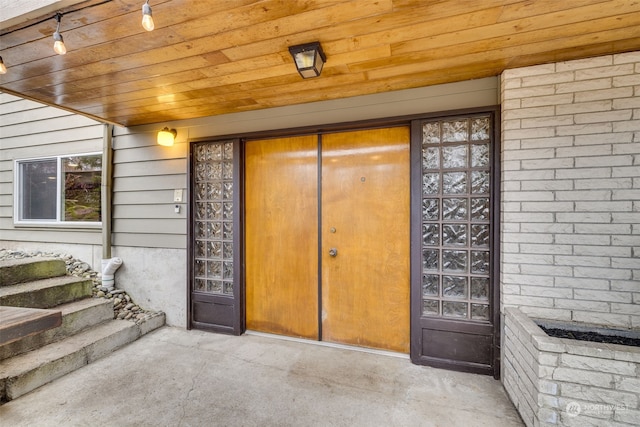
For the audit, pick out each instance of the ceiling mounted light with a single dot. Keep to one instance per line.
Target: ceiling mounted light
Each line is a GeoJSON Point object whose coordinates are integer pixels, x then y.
{"type": "Point", "coordinates": [167, 137]}
{"type": "Point", "coordinates": [58, 42]}
{"type": "Point", "coordinates": [147, 19]}
{"type": "Point", "coordinates": [3, 68]}
{"type": "Point", "coordinates": [309, 59]}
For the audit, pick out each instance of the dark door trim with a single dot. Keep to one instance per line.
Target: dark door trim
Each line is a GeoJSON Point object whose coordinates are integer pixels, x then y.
{"type": "Point", "coordinates": [456, 344]}
{"type": "Point", "coordinates": [444, 331]}
{"type": "Point", "coordinates": [216, 311]}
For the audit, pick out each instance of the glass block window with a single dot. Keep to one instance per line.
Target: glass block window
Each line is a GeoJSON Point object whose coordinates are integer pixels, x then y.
{"type": "Point", "coordinates": [214, 209]}
{"type": "Point", "coordinates": [456, 193]}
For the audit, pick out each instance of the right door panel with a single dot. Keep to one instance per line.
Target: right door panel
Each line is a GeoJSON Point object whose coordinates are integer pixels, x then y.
{"type": "Point", "coordinates": [365, 219]}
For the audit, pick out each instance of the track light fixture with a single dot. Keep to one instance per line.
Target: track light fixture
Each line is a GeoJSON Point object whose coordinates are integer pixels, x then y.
{"type": "Point", "coordinates": [58, 42]}
{"type": "Point", "coordinates": [3, 68]}
{"type": "Point", "coordinates": [147, 19]}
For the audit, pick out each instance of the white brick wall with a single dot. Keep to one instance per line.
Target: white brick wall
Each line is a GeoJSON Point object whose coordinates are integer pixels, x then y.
{"type": "Point", "coordinates": [571, 190]}
{"type": "Point", "coordinates": [545, 376]}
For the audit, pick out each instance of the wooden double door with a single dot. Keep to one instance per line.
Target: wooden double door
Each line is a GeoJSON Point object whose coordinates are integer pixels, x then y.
{"type": "Point", "coordinates": [327, 237]}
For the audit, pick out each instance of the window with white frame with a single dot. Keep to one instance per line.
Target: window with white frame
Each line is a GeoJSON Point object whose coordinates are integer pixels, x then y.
{"type": "Point", "coordinates": [60, 189]}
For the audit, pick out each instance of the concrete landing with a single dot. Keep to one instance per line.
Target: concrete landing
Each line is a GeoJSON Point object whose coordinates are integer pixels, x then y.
{"type": "Point", "coordinates": [173, 377]}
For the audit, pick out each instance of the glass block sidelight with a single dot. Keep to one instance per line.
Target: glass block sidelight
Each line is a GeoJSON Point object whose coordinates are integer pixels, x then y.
{"type": "Point", "coordinates": [456, 201]}
{"type": "Point", "coordinates": [213, 231]}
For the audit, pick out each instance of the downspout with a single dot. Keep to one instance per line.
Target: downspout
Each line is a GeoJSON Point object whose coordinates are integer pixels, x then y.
{"type": "Point", "coordinates": [109, 264]}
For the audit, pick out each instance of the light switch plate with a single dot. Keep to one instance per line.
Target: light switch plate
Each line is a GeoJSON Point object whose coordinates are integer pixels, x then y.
{"type": "Point", "coordinates": [177, 195]}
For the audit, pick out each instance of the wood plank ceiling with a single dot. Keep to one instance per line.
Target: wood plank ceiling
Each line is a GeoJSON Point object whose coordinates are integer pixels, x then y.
{"type": "Point", "coordinates": [211, 57]}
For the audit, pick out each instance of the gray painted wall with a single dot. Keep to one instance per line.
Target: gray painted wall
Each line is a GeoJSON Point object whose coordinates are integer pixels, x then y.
{"type": "Point", "coordinates": [31, 130]}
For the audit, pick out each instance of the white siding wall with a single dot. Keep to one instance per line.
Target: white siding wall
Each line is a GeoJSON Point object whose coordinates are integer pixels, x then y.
{"type": "Point", "coordinates": [28, 130]}
{"type": "Point", "coordinates": [571, 190]}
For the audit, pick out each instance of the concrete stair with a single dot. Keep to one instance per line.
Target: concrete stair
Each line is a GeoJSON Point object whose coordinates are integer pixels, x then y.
{"type": "Point", "coordinates": [86, 333]}
{"type": "Point", "coordinates": [26, 270]}
{"type": "Point", "coordinates": [45, 293]}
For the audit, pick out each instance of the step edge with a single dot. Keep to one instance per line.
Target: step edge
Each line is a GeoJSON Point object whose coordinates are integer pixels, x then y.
{"type": "Point", "coordinates": [22, 381]}
{"type": "Point", "coordinates": [36, 297]}
{"type": "Point", "coordinates": [76, 312]}
{"type": "Point", "coordinates": [9, 384]}
{"type": "Point", "coordinates": [16, 263]}
{"type": "Point", "coordinates": [50, 282]}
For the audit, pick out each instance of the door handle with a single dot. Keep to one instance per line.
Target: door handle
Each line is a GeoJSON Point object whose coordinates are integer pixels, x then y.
{"type": "Point", "coordinates": [333, 252]}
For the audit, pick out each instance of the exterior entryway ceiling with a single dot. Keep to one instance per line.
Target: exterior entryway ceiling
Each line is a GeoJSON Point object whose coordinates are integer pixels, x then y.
{"type": "Point", "coordinates": [209, 58]}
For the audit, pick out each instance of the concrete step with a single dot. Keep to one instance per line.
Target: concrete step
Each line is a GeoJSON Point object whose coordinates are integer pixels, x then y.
{"type": "Point", "coordinates": [46, 293]}
{"type": "Point", "coordinates": [22, 374]}
{"type": "Point", "coordinates": [14, 271]}
{"type": "Point", "coordinates": [76, 316]}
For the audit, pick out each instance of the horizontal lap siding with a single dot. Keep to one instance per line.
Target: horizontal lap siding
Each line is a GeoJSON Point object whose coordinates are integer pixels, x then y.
{"type": "Point", "coordinates": [145, 177]}
{"type": "Point", "coordinates": [31, 130]}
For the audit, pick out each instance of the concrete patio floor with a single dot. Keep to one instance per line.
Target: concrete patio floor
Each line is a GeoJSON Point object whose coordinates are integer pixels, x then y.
{"type": "Point", "coordinates": [174, 377]}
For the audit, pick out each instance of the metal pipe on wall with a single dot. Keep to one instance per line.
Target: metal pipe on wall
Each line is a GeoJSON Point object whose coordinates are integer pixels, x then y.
{"type": "Point", "coordinates": [106, 194]}
{"type": "Point", "coordinates": [109, 265]}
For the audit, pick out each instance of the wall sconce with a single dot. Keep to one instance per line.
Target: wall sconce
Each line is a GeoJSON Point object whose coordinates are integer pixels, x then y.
{"type": "Point", "coordinates": [309, 59]}
{"type": "Point", "coordinates": [167, 137]}
{"type": "Point", "coordinates": [3, 68]}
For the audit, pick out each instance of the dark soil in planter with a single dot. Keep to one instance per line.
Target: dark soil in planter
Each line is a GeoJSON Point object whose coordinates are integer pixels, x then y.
{"type": "Point", "coordinates": [591, 336]}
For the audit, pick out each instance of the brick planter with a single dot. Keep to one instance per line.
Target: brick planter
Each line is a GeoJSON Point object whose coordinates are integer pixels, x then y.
{"type": "Point", "coordinates": [558, 381]}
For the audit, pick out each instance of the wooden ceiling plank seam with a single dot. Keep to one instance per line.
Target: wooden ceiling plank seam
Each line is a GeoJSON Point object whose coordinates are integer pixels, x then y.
{"type": "Point", "coordinates": [498, 41]}
{"type": "Point", "coordinates": [13, 36]}
{"type": "Point", "coordinates": [247, 16]}
{"type": "Point", "coordinates": [117, 27]}
{"type": "Point", "coordinates": [551, 20]}
{"type": "Point", "coordinates": [464, 64]}
{"type": "Point", "coordinates": [101, 67]}
{"type": "Point", "coordinates": [379, 27]}
{"type": "Point", "coordinates": [137, 31]}
{"type": "Point", "coordinates": [92, 71]}
{"type": "Point", "coordinates": [507, 52]}
{"type": "Point", "coordinates": [524, 9]}
{"type": "Point", "coordinates": [266, 88]}
{"type": "Point", "coordinates": [245, 95]}
{"type": "Point", "coordinates": [284, 68]}
{"type": "Point", "coordinates": [125, 87]}
{"type": "Point", "coordinates": [488, 32]}
{"type": "Point", "coordinates": [605, 48]}
{"type": "Point", "coordinates": [319, 84]}
{"type": "Point", "coordinates": [184, 79]}
{"type": "Point", "coordinates": [97, 118]}
{"type": "Point", "coordinates": [464, 47]}
{"type": "Point", "coordinates": [101, 64]}
{"type": "Point", "coordinates": [180, 11]}
{"type": "Point", "coordinates": [76, 58]}
{"type": "Point", "coordinates": [287, 70]}
{"type": "Point", "coordinates": [497, 66]}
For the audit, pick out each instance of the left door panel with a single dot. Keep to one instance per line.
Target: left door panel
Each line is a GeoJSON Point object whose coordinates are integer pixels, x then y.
{"type": "Point", "coordinates": [281, 208]}
{"type": "Point", "coordinates": [215, 236]}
